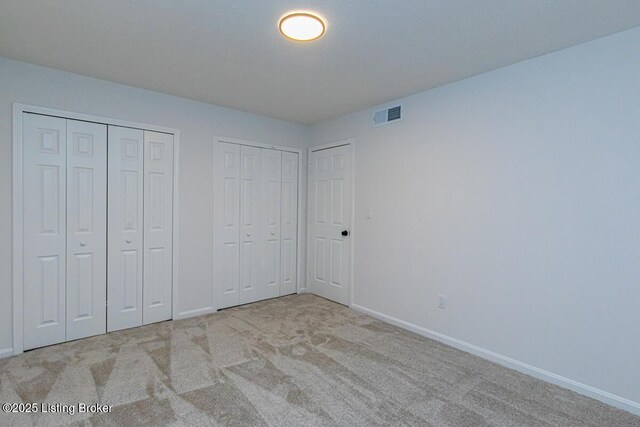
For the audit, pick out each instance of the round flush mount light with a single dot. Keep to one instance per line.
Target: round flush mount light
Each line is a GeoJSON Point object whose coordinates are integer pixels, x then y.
{"type": "Point", "coordinates": [301, 26]}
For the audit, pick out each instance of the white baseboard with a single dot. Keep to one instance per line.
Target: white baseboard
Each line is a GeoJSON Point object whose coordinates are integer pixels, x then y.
{"type": "Point", "coordinates": [587, 390]}
{"type": "Point", "coordinates": [193, 313]}
{"type": "Point", "coordinates": [6, 352]}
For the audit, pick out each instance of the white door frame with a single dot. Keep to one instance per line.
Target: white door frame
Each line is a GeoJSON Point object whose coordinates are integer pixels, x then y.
{"type": "Point", "coordinates": [351, 142]}
{"type": "Point", "coordinates": [301, 287]}
{"type": "Point", "coordinates": [18, 197]}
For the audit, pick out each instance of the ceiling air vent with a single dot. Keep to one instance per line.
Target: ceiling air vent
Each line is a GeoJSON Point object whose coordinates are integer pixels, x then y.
{"type": "Point", "coordinates": [388, 115]}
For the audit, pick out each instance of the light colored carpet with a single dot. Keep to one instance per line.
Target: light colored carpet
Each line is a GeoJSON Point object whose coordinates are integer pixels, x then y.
{"type": "Point", "coordinates": [297, 360]}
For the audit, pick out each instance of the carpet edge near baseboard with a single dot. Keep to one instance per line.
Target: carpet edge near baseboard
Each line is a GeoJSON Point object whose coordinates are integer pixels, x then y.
{"type": "Point", "coordinates": [584, 389]}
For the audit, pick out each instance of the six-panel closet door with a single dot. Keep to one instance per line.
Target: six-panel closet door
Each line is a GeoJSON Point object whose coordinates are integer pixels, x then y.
{"type": "Point", "coordinates": [125, 268]}
{"type": "Point", "coordinates": [252, 230]}
{"type": "Point", "coordinates": [227, 220]}
{"type": "Point", "coordinates": [158, 227]}
{"type": "Point", "coordinates": [256, 223]}
{"type": "Point", "coordinates": [271, 209]}
{"type": "Point", "coordinates": [140, 227]}
{"type": "Point", "coordinates": [45, 229]}
{"type": "Point", "coordinates": [86, 242]}
{"type": "Point", "coordinates": [289, 221]}
{"type": "Point", "coordinates": [64, 236]}
{"type": "Point", "coordinates": [86, 229]}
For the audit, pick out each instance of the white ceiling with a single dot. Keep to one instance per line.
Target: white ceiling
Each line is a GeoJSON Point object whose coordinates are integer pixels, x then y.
{"type": "Point", "coordinates": [230, 52]}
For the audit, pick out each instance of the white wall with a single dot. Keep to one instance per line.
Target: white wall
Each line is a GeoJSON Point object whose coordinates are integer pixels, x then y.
{"type": "Point", "coordinates": [516, 194]}
{"type": "Point", "coordinates": [198, 124]}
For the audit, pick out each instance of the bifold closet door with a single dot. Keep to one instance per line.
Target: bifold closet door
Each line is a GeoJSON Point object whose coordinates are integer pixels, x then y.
{"type": "Point", "coordinates": [125, 227]}
{"type": "Point", "coordinates": [64, 185]}
{"type": "Point", "coordinates": [252, 226]}
{"type": "Point", "coordinates": [256, 218]}
{"type": "Point", "coordinates": [227, 209]}
{"type": "Point", "coordinates": [270, 219]}
{"type": "Point", "coordinates": [289, 230]}
{"type": "Point", "coordinates": [45, 234]}
{"type": "Point", "coordinates": [86, 229]}
{"type": "Point", "coordinates": [158, 227]}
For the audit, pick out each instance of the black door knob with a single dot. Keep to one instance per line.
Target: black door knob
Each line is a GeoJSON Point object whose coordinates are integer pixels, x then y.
{"type": "Point", "coordinates": [345, 233]}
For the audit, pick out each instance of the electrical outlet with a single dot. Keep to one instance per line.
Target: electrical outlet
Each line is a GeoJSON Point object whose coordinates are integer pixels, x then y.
{"type": "Point", "coordinates": [442, 302]}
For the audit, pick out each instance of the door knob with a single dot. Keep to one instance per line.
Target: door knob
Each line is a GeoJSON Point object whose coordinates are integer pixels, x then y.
{"type": "Point", "coordinates": [273, 233]}
{"type": "Point", "coordinates": [248, 234]}
{"type": "Point", "coordinates": [128, 241]}
{"type": "Point", "coordinates": [83, 244]}
{"type": "Point", "coordinates": [345, 233]}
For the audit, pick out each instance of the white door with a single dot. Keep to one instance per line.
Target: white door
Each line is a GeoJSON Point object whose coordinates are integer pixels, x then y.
{"type": "Point", "coordinates": [45, 235]}
{"type": "Point", "coordinates": [251, 225]}
{"type": "Point", "coordinates": [86, 229]}
{"type": "Point", "coordinates": [158, 227]}
{"type": "Point", "coordinates": [272, 190]}
{"type": "Point", "coordinates": [125, 227]}
{"type": "Point", "coordinates": [329, 223]}
{"type": "Point", "coordinates": [256, 223]}
{"type": "Point", "coordinates": [289, 221]}
{"type": "Point", "coordinates": [227, 209]}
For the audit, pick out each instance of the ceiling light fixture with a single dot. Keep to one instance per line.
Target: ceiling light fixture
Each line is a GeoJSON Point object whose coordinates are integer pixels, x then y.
{"type": "Point", "coordinates": [301, 26]}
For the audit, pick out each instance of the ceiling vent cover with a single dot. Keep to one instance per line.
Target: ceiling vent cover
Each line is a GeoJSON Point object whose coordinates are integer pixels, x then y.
{"type": "Point", "coordinates": [388, 115]}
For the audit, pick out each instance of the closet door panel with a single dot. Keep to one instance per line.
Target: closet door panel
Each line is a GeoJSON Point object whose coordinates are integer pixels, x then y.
{"type": "Point", "coordinates": [158, 230]}
{"type": "Point", "coordinates": [125, 228]}
{"type": "Point", "coordinates": [86, 229]}
{"type": "Point", "coordinates": [289, 229]}
{"type": "Point", "coordinates": [251, 225]}
{"type": "Point", "coordinates": [272, 189]}
{"type": "Point", "coordinates": [227, 277]}
{"type": "Point", "coordinates": [44, 210]}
